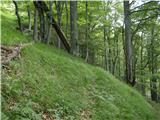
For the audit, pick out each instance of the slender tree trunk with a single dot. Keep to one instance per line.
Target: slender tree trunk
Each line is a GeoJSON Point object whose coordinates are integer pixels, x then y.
{"type": "Point", "coordinates": [74, 30]}
{"type": "Point", "coordinates": [35, 32]}
{"type": "Point", "coordinates": [118, 60]}
{"type": "Point", "coordinates": [86, 35]}
{"type": "Point", "coordinates": [115, 53]}
{"type": "Point", "coordinates": [91, 57]}
{"type": "Point", "coordinates": [141, 61]}
{"type": "Point", "coordinates": [42, 7]}
{"type": "Point", "coordinates": [153, 65]}
{"type": "Point", "coordinates": [29, 17]}
{"type": "Point", "coordinates": [42, 26]}
{"type": "Point", "coordinates": [67, 17]}
{"type": "Point", "coordinates": [123, 40]}
{"type": "Point", "coordinates": [128, 44]}
{"type": "Point", "coordinates": [17, 14]}
{"type": "Point", "coordinates": [109, 53]}
{"type": "Point", "coordinates": [50, 22]}
{"type": "Point", "coordinates": [59, 14]}
{"type": "Point", "coordinates": [119, 67]}
{"type": "Point", "coordinates": [105, 50]}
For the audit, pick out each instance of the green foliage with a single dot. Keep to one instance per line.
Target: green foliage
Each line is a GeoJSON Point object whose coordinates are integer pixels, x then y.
{"type": "Point", "coordinates": [4, 116]}
{"type": "Point", "coordinates": [47, 80]}
{"type": "Point", "coordinates": [25, 112]}
{"type": "Point", "coordinates": [50, 78]}
{"type": "Point", "coordinates": [10, 34]}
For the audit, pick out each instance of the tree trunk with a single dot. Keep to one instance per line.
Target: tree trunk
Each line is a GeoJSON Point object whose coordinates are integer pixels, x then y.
{"type": "Point", "coordinates": [153, 65]}
{"type": "Point", "coordinates": [18, 17]}
{"type": "Point", "coordinates": [105, 51]}
{"type": "Point", "coordinates": [74, 30]}
{"type": "Point", "coordinates": [91, 56]}
{"type": "Point", "coordinates": [42, 26]}
{"type": "Point", "coordinates": [141, 62]}
{"type": "Point", "coordinates": [35, 32]}
{"type": "Point", "coordinates": [29, 17]}
{"type": "Point", "coordinates": [66, 6]}
{"type": "Point", "coordinates": [59, 14]}
{"type": "Point", "coordinates": [41, 6]}
{"type": "Point", "coordinates": [128, 44]}
{"type": "Point", "coordinates": [86, 35]}
{"type": "Point", "coordinates": [50, 22]}
{"type": "Point", "coordinates": [115, 55]}
{"type": "Point", "coordinates": [109, 54]}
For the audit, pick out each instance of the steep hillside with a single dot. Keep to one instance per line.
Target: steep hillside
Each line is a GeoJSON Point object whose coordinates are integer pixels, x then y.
{"type": "Point", "coordinates": [48, 80]}
{"type": "Point", "coordinates": [47, 83]}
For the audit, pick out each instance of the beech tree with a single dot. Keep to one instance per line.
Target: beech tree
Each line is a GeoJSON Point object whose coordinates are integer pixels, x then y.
{"type": "Point", "coordinates": [128, 44]}
{"type": "Point", "coordinates": [73, 23]}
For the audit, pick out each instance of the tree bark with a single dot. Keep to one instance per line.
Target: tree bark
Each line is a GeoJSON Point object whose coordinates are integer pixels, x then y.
{"type": "Point", "coordinates": [41, 6]}
{"type": "Point", "coordinates": [66, 6]}
{"type": "Point", "coordinates": [59, 15]}
{"type": "Point", "coordinates": [50, 22]}
{"type": "Point", "coordinates": [143, 91]}
{"type": "Point", "coordinates": [86, 35]}
{"type": "Point", "coordinates": [109, 53]}
{"type": "Point", "coordinates": [29, 17]}
{"type": "Point", "coordinates": [74, 30]}
{"type": "Point", "coordinates": [35, 32]}
{"type": "Point", "coordinates": [153, 65]}
{"type": "Point", "coordinates": [42, 26]}
{"type": "Point", "coordinates": [128, 44]}
{"type": "Point", "coordinates": [17, 14]}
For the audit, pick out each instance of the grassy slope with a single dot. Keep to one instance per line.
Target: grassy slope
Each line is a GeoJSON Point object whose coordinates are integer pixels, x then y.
{"type": "Point", "coordinates": [47, 81]}
{"type": "Point", "coordinates": [9, 34]}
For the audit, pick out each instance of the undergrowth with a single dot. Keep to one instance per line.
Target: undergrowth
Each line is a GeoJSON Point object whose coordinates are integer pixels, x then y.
{"type": "Point", "coordinates": [45, 82]}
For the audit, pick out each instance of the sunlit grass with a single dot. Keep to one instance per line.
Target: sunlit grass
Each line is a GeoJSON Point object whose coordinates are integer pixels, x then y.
{"type": "Point", "coordinates": [47, 80]}
{"type": "Point", "coordinates": [9, 32]}
{"type": "Point", "coordinates": [57, 81]}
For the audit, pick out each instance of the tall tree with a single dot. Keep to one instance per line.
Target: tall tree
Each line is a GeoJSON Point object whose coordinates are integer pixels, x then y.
{"type": "Point", "coordinates": [143, 91]}
{"type": "Point", "coordinates": [42, 25]}
{"type": "Point", "coordinates": [73, 24]}
{"type": "Point", "coordinates": [86, 34]}
{"type": "Point", "coordinates": [35, 32]}
{"type": "Point", "coordinates": [29, 17]}
{"type": "Point", "coordinates": [59, 7]}
{"type": "Point", "coordinates": [67, 18]}
{"type": "Point", "coordinates": [42, 7]}
{"type": "Point", "coordinates": [18, 16]}
{"type": "Point", "coordinates": [153, 68]}
{"type": "Point", "coordinates": [50, 22]}
{"type": "Point", "coordinates": [128, 44]}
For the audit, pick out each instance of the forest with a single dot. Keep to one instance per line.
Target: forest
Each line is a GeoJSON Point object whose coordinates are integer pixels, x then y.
{"type": "Point", "coordinates": [80, 60]}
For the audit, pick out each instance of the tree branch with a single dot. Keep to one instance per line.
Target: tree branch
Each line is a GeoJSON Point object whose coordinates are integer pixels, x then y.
{"type": "Point", "coordinates": [147, 9]}
{"type": "Point", "coordinates": [144, 4]}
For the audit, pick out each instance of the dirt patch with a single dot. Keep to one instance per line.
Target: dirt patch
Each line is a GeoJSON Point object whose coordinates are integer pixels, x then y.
{"type": "Point", "coordinates": [86, 114]}
{"type": "Point", "coordinates": [8, 53]}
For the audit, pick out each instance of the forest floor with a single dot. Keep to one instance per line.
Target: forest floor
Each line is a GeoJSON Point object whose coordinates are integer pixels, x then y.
{"type": "Point", "coordinates": [10, 52]}
{"type": "Point", "coordinates": [49, 84]}
{"type": "Point", "coordinates": [45, 83]}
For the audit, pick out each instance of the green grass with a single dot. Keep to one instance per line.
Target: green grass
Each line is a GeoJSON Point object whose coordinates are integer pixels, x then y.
{"type": "Point", "coordinates": [64, 86]}
{"type": "Point", "coordinates": [48, 81]}
{"type": "Point", "coordinates": [10, 35]}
